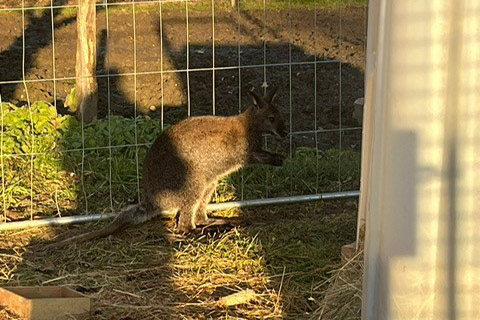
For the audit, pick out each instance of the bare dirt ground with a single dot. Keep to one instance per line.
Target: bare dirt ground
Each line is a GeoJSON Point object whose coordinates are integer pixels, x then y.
{"type": "Point", "coordinates": [334, 37]}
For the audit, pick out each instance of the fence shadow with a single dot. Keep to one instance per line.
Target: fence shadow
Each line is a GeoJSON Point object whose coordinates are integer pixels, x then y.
{"type": "Point", "coordinates": [137, 273]}
{"type": "Point", "coordinates": [38, 24]}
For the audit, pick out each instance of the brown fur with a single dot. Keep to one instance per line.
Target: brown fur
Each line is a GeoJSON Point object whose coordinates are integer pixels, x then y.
{"type": "Point", "coordinates": [185, 163]}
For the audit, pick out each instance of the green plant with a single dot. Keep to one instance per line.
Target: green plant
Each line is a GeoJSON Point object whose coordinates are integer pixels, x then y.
{"type": "Point", "coordinates": [51, 163]}
{"type": "Point", "coordinates": [30, 172]}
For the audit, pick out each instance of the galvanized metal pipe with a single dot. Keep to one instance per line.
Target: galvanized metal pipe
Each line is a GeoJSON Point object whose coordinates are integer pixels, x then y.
{"type": "Point", "coordinates": [210, 207]}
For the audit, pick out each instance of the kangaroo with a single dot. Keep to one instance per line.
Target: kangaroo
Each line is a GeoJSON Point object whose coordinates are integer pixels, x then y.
{"type": "Point", "coordinates": [185, 163]}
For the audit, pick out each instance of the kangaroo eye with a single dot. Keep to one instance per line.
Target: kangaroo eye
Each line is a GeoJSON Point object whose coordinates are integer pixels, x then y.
{"type": "Point", "coordinates": [271, 118]}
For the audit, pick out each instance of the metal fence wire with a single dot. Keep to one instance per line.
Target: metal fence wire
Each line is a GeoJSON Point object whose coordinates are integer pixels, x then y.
{"type": "Point", "coordinates": [161, 61]}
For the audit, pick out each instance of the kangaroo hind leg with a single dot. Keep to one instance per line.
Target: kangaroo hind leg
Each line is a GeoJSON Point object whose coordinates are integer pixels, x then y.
{"type": "Point", "coordinates": [185, 218]}
{"type": "Point", "coordinates": [201, 217]}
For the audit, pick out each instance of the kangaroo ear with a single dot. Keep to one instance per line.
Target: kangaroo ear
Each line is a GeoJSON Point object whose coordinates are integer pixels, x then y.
{"type": "Point", "coordinates": [257, 101]}
{"type": "Point", "coordinates": [271, 94]}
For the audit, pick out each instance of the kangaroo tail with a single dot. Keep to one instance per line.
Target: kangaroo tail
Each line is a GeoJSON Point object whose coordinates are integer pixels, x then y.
{"type": "Point", "coordinates": [130, 215]}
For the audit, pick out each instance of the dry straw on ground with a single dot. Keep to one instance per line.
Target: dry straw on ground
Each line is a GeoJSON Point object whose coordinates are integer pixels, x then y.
{"type": "Point", "coordinates": [343, 298]}
{"type": "Point", "coordinates": [278, 253]}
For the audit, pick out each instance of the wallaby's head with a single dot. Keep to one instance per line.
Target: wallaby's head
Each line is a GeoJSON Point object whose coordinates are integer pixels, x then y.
{"type": "Point", "coordinates": [267, 117]}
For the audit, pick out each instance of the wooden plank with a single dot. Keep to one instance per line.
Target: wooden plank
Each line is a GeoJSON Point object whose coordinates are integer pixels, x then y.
{"type": "Point", "coordinates": [15, 303]}
{"type": "Point", "coordinates": [44, 303]}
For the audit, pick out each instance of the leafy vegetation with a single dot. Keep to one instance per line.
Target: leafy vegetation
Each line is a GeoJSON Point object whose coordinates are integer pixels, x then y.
{"type": "Point", "coordinates": [52, 164]}
{"type": "Point", "coordinates": [44, 155]}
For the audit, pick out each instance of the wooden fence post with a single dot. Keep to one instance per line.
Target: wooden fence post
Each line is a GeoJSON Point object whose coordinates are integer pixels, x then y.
{"type": "Point", "coordinates": [85, 68]}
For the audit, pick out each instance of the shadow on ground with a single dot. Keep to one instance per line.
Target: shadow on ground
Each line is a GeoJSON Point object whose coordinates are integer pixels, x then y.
{"type": "Point", "coordinates": [279, 252]}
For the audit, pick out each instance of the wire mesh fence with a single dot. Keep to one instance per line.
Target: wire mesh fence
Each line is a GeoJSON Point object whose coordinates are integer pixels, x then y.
{"type": "Point", "coordinates": [159, 62]}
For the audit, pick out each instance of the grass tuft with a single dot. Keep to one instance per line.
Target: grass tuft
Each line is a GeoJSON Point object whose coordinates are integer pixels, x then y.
{"type": "Point", "coordinates": [279, 253]}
